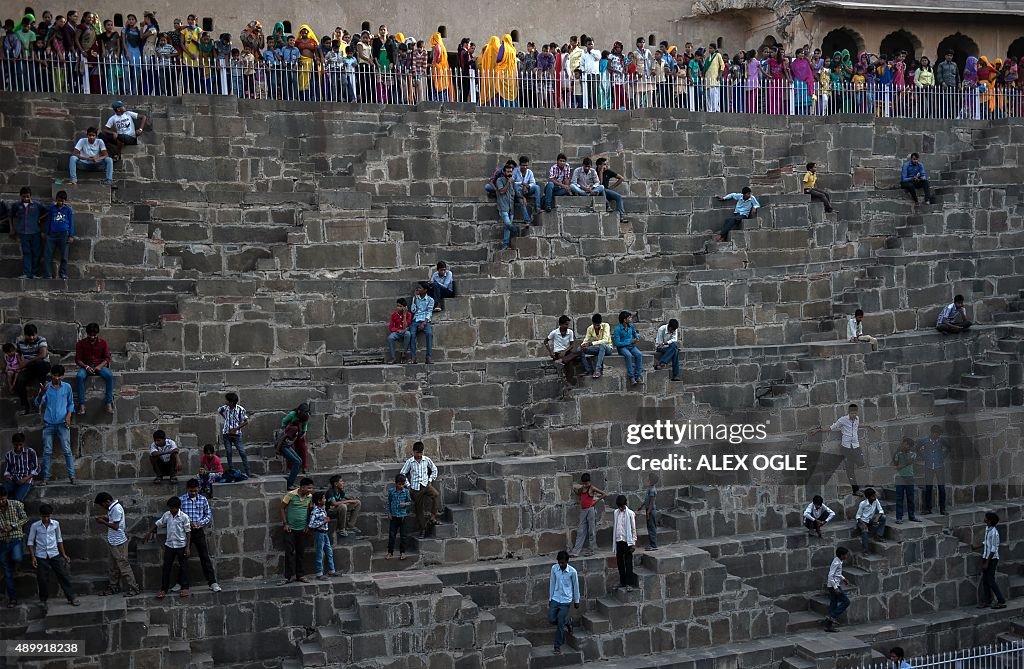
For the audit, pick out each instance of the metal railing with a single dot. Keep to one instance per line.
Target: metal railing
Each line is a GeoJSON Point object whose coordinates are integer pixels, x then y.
{"type": "Point", "coordinates": [345, 82]}
{"type": "Point", "coordinates": [1005, 656]}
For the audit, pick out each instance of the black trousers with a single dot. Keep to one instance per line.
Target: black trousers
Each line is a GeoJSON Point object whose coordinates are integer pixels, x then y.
{"type": "Point", "coordinates": [439, 292]}
{"type": "Point", "coordinates": [294, 548]}
{"type": "Point", "coordinates": [170, 556]}
{"type": "Point", "coordinates": [200, 548]}
{"type": "Point", "coordinates": [624, 560]}
{"type": "Point", "coordinates": [60, 569]}
{"type": "Point", "coordinates": [938, 476]}
{"type": "Point", "coordinates": [988, 584]}
{"type": "Point", "coordinates": [912, 186]}
{"type": "Point", "coordinates": [734, 221]}
{"type": "Point", "coordinates": [34, 373]}
{"type": "Point", "coordinates": [396, 526]}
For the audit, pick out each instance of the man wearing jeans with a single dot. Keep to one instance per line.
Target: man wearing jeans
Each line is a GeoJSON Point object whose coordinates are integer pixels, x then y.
{"type": "Point", "coordinates": [558, 181]}
{"type": "Point", "coordinates": [913, 177]}
{"type": "Point", "coordinates": [92, 355]}
{"type": "Point", "coordinates": [598, 341]}
{"type": "Point", "coordinates": [198, 510]}
{"type": "Point", "coordinates": [60, 232]}
{"type": "Point", "coordinates": [90, 154]}
{"type": "Point", "coordinates": [666, 347]}
{"type": "Point", "coordinates": [589, 496]}
{"type": "Point", "coordinates": [585, 180]}
{"type": "Point", "coordinates": [58, 405]}
{"type": "Point", "coordinates": [19, 468]}
{"type": "Point", "coordinates": [286, 447]}
{"type": "Point", "coordinates": [12, 520]}
{"type": "Point", "coordinates": [849, 426]}
{"type": "Point", "coordinates": [422, 311]}
{"type": "Point", "coordinates": [838, 600]}
{"type": "Point", "coordinates": [235, 418]}
{"type": "Point", "coordinates": [25, 216]}
{"type": "Point", "coordinates": [746, 207]}
{"type": "Point", "coordinates": [505, 200]}
{"type": "Point", "coordinates": [563, 590]}
{"type": "Point", "coordinates": [526, 185]}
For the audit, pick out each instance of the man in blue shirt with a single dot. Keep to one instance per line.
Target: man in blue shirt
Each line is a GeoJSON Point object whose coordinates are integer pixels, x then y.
{"type": "Point", "coordinates": [563, 590]}
{"type": "Point", "coordinates": [198, 510]}
{"type": "Point", "coordinates": [441, 285]}
{"type": "Point", "coordinates": [25, 216]}
{"type": "Point", "coordinates": [746, 207]}
{"type": "Point", "coordinates": [953, 318]}
{"type": "Point", "coordinates": [422, 309]}
{"type": "Point", "coordinates": [60, 232]}
{"type": "Point", "coordinates": [932, 450]}
{"type": "Point", "coordinates": [58, 405]}
{"type": "Point", "coordinates": [526, 185]}
{"type": "Point", "coordinates": [913, 177]}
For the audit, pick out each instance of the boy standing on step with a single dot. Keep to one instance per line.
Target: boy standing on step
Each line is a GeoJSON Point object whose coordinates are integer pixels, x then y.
{"type": "Point", "coordinates": [933, 450]}
{"type": "Point", "coordinates": [422, 311]}
{"type": "Point", "coordinates": [624, 541]}
{"type": "Point", "coordinates": [235, 418]}
{"type": "Point", "coordinates": [46, 546]}
{"type": "Point", "coordinates": [989, 563]}
{"type": "Point", "coordinates": [589, 496]}
{"type": "Point", "coordinates": [117, 545]}
{"type": "Point", "coordinates": [563, 590]}
{"type": "Point", "coordinates": [397, 509]}
{"type": "Point", "coordinates": [295, 512]}
{"type": "Point", "coordinates": [176, 546]}
{"type": "Point", "coordinates": [838, 600]}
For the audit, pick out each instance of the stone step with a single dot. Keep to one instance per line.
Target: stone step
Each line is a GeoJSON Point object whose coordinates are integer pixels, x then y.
{"type": "Point", "coordinates": [543, 657]}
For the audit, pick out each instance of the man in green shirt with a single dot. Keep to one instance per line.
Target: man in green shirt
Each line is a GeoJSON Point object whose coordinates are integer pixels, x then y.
{"type": "Point", "coordinates": [903, 460]}
{"type": "Point", "coordinates": [294, 517]}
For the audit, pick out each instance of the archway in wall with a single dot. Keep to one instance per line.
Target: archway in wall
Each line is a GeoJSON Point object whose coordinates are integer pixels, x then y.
{"type": "Point", "coordinates": [901, 40]}
{"type": "Point", "coordinates": [1016, 49]}
{"type": "Point", "coordinates": [842, 38]}
{"type": "Point", "coordinates": [961, 45]}
{"type": "Point", "coordinates": [769, 40]}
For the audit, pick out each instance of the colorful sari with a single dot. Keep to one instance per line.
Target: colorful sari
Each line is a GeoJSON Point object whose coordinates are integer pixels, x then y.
{"type": "Point", "coordinates": [506, 67]}
{"type": "Point", "coordinates": [306, 64]}
{"type": "Point", "coordinates": [441, 74]}
{"type": "Point", "coordinates": [803, 85]}
{"type": "Point", "coordinates": [776, 85]}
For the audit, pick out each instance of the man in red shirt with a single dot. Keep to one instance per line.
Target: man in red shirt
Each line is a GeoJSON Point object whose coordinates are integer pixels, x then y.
{"type": "Point", "coordinates": [398, 329]}
{"type": "Point", "coordinates": [589, 496]}
{"type": "Point", "coordinates": [92, 355]}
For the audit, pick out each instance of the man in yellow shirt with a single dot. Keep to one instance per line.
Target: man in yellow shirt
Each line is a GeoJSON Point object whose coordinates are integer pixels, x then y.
{"type": "Point", "coordinates": [810, 188]}
{"type": "Point", "coordinates": [598, 341]}
{"type": "Point", "coordinates": [714, 66]}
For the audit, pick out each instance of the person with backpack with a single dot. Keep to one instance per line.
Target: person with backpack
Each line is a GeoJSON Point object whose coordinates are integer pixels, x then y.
{"type": "Point", "coordinates": [286, 443]}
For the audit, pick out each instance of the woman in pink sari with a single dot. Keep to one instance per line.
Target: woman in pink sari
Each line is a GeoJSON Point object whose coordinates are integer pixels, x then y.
{"type": "Point", "coordinates": [778, 77]}
{"type": "Point", "coordinates": [754, 75]}
{"type": "Point", "coordinates": [803, 82]}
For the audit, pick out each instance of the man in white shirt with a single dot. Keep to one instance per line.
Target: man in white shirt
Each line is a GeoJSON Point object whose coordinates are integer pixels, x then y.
{"type": "Point", "coordinates": [117, 543]}
{"type": "Point", "coordinates": [624, 542]}
{"type": "Point", "coordinates": [598, 341]}
{"type": "Point", "coordinates": [870, 516]}
{"type": "Point", "coordinates": [953, 318]}
{"type": "Point", "coordinates": [855, 330]}
{"type": "Point", "coordinates": [46, 546]}
{"type": "Point", "coordinates": [176, 546]}
{"type": "Point", "coordinates": [990, 561]}
{"type": "Point", "coordinates": [816, 515]}
{"type": "Point", "coordinates": [420, 472]}
{"type": "Point", "coordinates": [561, 346]}
{"type": "Point", "coordinates": [849, 425]}
{"type": "Point", "coordinates": [90, 153]}
{"type": "Point", "coordinates": [124, 127]}
{"type": "Point", "coordinates": [526, 185]}
{"type": "Point", "coordinates": [838, 600]}
{"type": "Point", "coordinates": [590, 63]}
{"type": "Point", "coordinates": [585, 180]}
{"type": "Point", "coordinates": [442, 285]}
{"type": "Point", "coordinates": [164, 457]}
{"type": "Point", "coordinates": [666, 346]}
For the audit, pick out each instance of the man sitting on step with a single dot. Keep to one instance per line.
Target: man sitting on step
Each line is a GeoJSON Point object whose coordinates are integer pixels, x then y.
{"type": "Point", "coordinates": [123, 128]}
{"type": "Point", "coordinates": [816, 515]}
{"type": "Point", "coordinates": [746, 207]}
{"type": "Point", "coordinates": [870, 516]}
{"type": "Point", "coordinates": [810, 183]}
{"type": "Point", "coordinates": [855, 330]}
{"type": "Point", "coordinates": [90, 154]}
{"type": "Point", "coordinates": [953, 318]}
{"type": "Point", "coordinates": [913, 176]}
{"type": "Point", "coordinates": [561, 346]}
{"type": "Point", "coordinates": [598, 341]}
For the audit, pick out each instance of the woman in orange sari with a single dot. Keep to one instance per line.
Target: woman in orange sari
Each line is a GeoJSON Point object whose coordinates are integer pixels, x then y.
{"type": "Point", "coordinates": [440, 73]}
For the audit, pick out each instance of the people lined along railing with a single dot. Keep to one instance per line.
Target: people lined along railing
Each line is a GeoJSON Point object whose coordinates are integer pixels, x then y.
{"type": "Point", "coordinates": [259, 79]}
